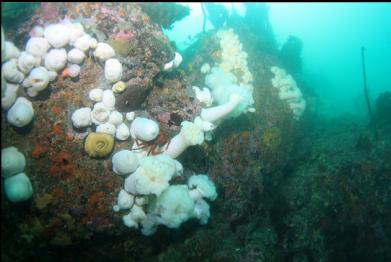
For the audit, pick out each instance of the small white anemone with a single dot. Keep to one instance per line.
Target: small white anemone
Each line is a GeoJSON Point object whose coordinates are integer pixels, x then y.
{"type": "Point", "coordinates": [100, 113]}
{"type": "Point", "coordinates": [37, 81]}
{"type": "Point", "coordinates": [18, 188]}
{"type": "Point", "coordinates": [26, 62]}
{"type": "Point", "coordinates": [74, 70]}
{"type": "Point", "coordinates": [124, 162]}
{"type": "Point", "coordinates": [11, 51]}
{"type": "Point", "coordinates": [76, 30]}
{"type": "Point", "coordinates": [96, 94]}
{"type": "Point", "coordinates": [9, 93]}
{"type": "Point", "coordinates": [37, 46]}
{"type": "Point", "coordinates": [82, 117]}
{"type": "Point", "coordinates": [130, 116]}
{"type": "Point", "coordinates": [106, 128]}
{"type": "Point", "coordinates": [56, 59]}
{"type": "Point", "coordinates": [10, 72]}
{"type": "Point", "coordinates": [21, 113]}
{"type": "Point", "coordinates": [12, 161]}
{"type": "Point", "coordinates": [124, 201]}
{"type": "Point", "coordinates": [58, 35]}
{"type": "Point", "coordinates": [113, 70]}
{"type": "Point", "coordinates": [144, 129]}
{"type": "Point", "coordinates": [116, 118]}
{"type": "Point", "coordinates": [83, 43]}
{"type": "Point", "coordinates": [122, 132]}
{"type": "Point", "coordinates": [76, 56]}
{"type": "Point", "coordinates": [104, 51]}
{"type": "Point", "coordinates": [108, 99]}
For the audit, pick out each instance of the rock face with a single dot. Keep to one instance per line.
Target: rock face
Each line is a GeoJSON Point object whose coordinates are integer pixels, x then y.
{"type": "Point", "coordinates": [74, 194]}
{"type": "Point", "coordinates": [133, 96]}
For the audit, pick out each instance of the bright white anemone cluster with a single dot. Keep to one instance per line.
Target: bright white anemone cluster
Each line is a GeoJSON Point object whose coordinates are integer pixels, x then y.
{"type": "Point", "coordinates": [288, 91]}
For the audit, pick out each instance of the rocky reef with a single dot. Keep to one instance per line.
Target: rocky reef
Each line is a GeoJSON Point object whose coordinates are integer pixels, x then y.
{"type": "Point", "coordinates": [262, 212]}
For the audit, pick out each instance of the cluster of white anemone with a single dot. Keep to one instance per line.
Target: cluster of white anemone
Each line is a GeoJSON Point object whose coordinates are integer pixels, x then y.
{"type": "Point", "coordinates": [47, 53]}
{"type": "Point", "coordinates": [147, 192]}
{"type": "Point", "coordinates": [288, 91]}
{"type": "Point", "coordinates": [103, 115]}
{"type": "Point", "coordinates": [150, 198]}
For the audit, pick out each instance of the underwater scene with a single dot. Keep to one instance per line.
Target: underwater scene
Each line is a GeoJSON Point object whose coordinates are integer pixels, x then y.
{"type": "Point", "coordinates": [195, 131]}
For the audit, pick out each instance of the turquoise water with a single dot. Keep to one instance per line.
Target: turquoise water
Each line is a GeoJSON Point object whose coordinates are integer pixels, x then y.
{"type": "Point", "coordinates": [332, 35]}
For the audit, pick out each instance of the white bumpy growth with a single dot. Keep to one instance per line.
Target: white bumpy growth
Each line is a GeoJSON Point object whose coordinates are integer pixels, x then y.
{"type": "Point", "coordinates": [288, 91]}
